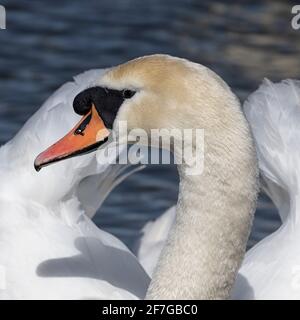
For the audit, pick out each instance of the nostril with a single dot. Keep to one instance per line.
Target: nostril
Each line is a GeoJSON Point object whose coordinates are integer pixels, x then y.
{"type": "Point", "coordinates": [83, 125]}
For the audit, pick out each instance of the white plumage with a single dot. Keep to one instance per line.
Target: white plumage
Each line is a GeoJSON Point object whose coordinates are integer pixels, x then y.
{"type": "Point", "coordinates": [271, 269]}
{"type": "Point", "coordinates": [153, 239]}
{"type": "Point", "coordinates": [49, 248]}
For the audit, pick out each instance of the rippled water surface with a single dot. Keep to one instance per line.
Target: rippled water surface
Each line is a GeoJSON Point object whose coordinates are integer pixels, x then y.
{"type": "Point", "coordinates": [48, 42]}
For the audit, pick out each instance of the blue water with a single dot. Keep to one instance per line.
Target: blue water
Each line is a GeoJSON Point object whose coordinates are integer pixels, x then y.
{"type": "Point", "coordinates": [47, 42]}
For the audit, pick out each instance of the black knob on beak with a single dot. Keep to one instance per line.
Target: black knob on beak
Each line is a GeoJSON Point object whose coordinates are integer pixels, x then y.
{"type": "Point", "coordinates": [82, 103]}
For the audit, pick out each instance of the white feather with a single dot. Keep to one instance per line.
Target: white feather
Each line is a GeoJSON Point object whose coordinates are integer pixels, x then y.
{"type": "Point", "coordinates": [271, 268]}
{"type": "Point", "coordinates": [49, 248]}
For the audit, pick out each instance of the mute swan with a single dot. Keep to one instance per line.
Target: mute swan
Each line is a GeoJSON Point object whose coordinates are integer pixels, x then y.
{"type": "Point", "coordinates": [49, 248]}
{"type": "Point", "coordinates": [214, 212]}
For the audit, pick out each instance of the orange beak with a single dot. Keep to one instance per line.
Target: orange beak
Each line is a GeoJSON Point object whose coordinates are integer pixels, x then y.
{"type": "Point", "coordinates": [85, 137]}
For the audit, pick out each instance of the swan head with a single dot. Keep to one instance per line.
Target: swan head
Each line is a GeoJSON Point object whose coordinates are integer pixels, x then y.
{"type": "Point", "coordinates": [152, 92]}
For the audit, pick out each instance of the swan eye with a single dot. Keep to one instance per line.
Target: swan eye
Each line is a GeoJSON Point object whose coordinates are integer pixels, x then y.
{"type": "Point", "coordinates": [127, 94]}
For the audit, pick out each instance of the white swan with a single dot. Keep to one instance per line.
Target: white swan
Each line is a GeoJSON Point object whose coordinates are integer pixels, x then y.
{"type": "Point", "coordinates": [214, 212]}
{"type": "Point", "coordinates": [49, 248]}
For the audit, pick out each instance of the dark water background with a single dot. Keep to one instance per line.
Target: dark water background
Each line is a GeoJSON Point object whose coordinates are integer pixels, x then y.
{"type": "Point", "coordinates": [48, 42]}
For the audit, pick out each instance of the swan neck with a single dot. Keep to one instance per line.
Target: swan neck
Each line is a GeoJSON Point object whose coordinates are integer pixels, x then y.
{"type": "Point", "coordinates": [214, 214]}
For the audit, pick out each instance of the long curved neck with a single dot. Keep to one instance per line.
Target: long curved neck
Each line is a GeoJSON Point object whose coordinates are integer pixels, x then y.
{"type": "Point", "coordinates": [207, 242]}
